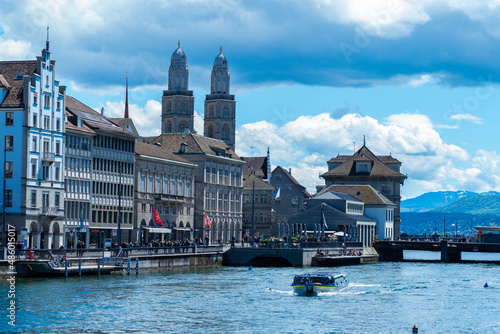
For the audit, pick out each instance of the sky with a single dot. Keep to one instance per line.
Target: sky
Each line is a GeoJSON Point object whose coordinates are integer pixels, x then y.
{"type": "Point", "coordinates": [419, 79]}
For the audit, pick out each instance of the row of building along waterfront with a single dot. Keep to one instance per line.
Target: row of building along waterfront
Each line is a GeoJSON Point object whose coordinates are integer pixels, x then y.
{"type": "Point", "coordinates": [72, 174]}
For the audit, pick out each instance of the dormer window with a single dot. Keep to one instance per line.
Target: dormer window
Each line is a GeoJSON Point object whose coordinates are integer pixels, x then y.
{"type": "Point", "coordinates": [363, 167]}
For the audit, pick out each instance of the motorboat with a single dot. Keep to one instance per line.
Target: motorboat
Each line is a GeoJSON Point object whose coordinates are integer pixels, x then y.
{"type": "Point", "coordinates": [312, 283]}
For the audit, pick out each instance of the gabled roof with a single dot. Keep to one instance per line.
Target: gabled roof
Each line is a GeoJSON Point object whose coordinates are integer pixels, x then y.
{"type": "Point", "coordinates": [292, 179]}
{"type": "Point", "coordinates": [10, 70]}
{"type": "Point", "coordinates": [348, 166]}
{"type": "Point", "coordinates": [326, 195]}
{"type": "Point", "coordinates": [259, 183]}
{"type": "Point", "coordinates": [194, 144]}
{"type": "Point", "coordinates": [93, 119]}
{"type": "Point", "coordinates": [331, 215]}
{"type": "Point", "coordinates": [365, 193]}
{"type": "Point", "coordinates": [155, 151]}
{"type": "Point", "coordinates": [255, 165]}
{"type": "Point", "coordinates": [125, 123]}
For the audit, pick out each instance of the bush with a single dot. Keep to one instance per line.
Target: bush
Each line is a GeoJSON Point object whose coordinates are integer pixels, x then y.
{"type": "Point", "coordinates": [277, 240]}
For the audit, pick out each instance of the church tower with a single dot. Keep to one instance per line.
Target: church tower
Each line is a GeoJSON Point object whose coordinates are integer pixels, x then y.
{"type": "Point", "coordinates": [220, 106]}
{"type": "Point", "coordinates": [177, 105]}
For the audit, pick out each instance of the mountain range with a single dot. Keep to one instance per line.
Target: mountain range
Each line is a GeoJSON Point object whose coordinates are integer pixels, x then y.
{"type": "Point", "coordinates": [437, 201]}
{"type": "Point", "coordinates": [450, 212]}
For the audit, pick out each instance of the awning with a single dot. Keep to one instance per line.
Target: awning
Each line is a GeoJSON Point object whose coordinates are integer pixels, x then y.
{"type": "Point", "coordinates": [181, 228]}
{"type": "Point", "coordinates": [157, 229]}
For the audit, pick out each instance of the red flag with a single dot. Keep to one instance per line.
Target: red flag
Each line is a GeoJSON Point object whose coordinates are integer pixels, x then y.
{"type": "Point", "coordinates": [157, 220]}
{"type": "Point", "coordinates": [208, 222]}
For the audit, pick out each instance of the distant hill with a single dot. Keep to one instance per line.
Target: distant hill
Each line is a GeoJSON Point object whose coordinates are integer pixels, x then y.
{"type": "Point", "coordinates": [433, 200]}
{"type": "Point", "coordinates": [483, 204]}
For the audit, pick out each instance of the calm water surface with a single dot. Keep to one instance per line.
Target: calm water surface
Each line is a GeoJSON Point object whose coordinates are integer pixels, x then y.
{"type": "Point", "coordinates": [381, 298]}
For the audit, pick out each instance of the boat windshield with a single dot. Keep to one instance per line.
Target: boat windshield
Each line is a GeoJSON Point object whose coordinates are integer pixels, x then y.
{"type": "Point", "coordinates": [301, 280]}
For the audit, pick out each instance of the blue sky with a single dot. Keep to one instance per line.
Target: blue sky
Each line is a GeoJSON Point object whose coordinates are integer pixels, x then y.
{"type": "Point", "coordinates": [419, 78]}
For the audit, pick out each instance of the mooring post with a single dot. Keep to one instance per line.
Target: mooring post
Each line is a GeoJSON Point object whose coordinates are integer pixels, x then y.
{"type": "Point", "coordinates": [80, 267]}
{"type": "Point", "coordinates": [137, 266]}
{"type": "Point", "coordinates": [66, 267]}
{"type": "Point", "coordinates": [98, 266]}
{"type": "Point", "coordinates": [128, 266]}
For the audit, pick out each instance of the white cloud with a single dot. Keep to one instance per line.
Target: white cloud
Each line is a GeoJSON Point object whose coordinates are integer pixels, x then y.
{"type": "Point", "coordinates": [306, 143]}
{"type": "Point", "coordinates": [14, 50]}
{"type": "Point", "coordinates": [468, 118]}
{"type": "Point", "coordinates": [390, 19]}
{"type": "Point", "coordinates": [486, 12]}
{"type": "Point", "coordinates": [145, 118]}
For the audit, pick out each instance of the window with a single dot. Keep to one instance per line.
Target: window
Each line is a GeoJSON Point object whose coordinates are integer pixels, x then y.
{"type": "Point", "coordinates": [174, 189]}
{"type": "Point", "coordinates": [386, 188]}
{"type": "Point", "coordinates": [46, 145]}
{"type": "Point", "coordinates": [33, 198]}
{"type": "Point", "coordinates": [46, 81]}
{"type": "Point", "coordinates": [35, 120]}
{"type": "Point", "coordinates": [47, 101]}
{"type": "Point", "coordinates": [214, 175]}
{"type": "Point", "coordinates": [58, 124]}
{"type": "Point", "coordinates": [35, 99]}
{"type": "Point", "coordinates": [9, 118]}
{"type": "Point", "coordinates": [150, 184]}
{"type": "Point", "coordinates": [9, 169]}
{"type": "Point", "coordinates": [45, 199]}
{"type": "Point", "coordinates": [181, 187]}
{"type": "Point", "coordinates": [34, 145]}
{"type": "Point", "coordinates": [33, 168]}
{"type": "Point", "coordinates": [226, 112]}
{"type": "Point", "coordinates": [188, 188]}
{"type": "Point", "coordinates": [8, 197]}
{"type": "Point", "coordinates": [45, 172]}
{"type": "Point", "coordinates": [57, 171]}
{"type": "Point", "coordinates": [9, 143]}
{"type": "Point", "coordinates": [57, 199]}
{"type": "Point", "coordinates": [58, 103]}
{"type": "Point", "coordinates": [58, 147]}
{"type": "Point", "coordinates": [207, 174]}
{"type": "Point", "coordinates": [46, 122]}
{"type": "Point", "coordinates": [166, 185]}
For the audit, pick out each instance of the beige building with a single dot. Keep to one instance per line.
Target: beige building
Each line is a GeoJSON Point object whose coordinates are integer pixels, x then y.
{"type": "Point", "coordinates": [218, 183]}
{"type": "Point", "coordinates": [165, 182]}
{"type": "Point", "coordinates": [364, 167]}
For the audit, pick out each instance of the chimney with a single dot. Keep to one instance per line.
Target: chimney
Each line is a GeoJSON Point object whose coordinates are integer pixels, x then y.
{"type": "Point", "coordinates": [102, 111]}
{"type": "Point", "coordinates": [290, 171]}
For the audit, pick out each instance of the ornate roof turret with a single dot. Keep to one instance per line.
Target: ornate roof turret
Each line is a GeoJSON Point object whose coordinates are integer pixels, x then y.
{"type": "Point", "coordinates": [178, 73]}
{"type": "Point", "coordinates": [220, 75]}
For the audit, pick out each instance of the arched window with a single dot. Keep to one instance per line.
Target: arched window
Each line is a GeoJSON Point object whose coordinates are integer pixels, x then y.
{"type": "Point", "coordinates": [225, 133]}
{"type": "Point", "coordinates": [183, 107]}
{"type": "Point", "coordinates": [169, 127]}
{"type": "Point", "coordinates": [211, 113]}
{"type": "Point", "coordinates": [210, 131]}
{"type": "Point", "coordinates": [226, 112]}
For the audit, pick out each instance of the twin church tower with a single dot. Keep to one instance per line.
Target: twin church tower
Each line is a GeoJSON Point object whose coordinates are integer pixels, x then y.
{"type": "Point", "coordinates": [177, 114]}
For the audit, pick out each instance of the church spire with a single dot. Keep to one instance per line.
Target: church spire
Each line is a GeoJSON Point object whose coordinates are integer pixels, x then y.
{"type": "Point", "coordinates": [126, 98]}
{"type": "Point", "coordinates": [47, 41]}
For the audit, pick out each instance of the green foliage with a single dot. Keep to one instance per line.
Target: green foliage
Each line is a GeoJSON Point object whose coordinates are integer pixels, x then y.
{"type": "Point", "coordinates": [476, 205]}
{"type": "Point", "coordinates": [277, 240]}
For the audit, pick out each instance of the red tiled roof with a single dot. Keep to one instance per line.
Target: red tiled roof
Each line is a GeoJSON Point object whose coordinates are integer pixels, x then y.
{"type": "Point", "coordinates": [365, 193]}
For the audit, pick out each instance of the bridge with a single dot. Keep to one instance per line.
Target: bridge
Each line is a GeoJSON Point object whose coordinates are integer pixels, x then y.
{"type": "Point", "coordinates": [450, 251]}
{"type": "Point", "coordinates": [280, 255]}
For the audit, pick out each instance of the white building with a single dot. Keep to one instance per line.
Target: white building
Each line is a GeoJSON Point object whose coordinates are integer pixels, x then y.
{"type": "Point", "coordinates": [32, 104]}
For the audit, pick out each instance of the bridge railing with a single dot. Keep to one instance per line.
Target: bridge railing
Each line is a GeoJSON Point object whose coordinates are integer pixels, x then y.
{"type": "Point", "coordinates": [48, 254]}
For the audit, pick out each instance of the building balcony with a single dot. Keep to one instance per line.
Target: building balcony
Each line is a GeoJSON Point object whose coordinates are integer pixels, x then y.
{"type": "Point", "coordinates": [49, 157]}
{"type": "Point", "coordinates": [173, 198]}
{"type": "Point", "coordinates": [49, 211]}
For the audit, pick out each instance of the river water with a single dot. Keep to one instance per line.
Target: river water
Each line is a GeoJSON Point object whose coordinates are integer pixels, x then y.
{"type": "Point", "coordinates": [381, 298]}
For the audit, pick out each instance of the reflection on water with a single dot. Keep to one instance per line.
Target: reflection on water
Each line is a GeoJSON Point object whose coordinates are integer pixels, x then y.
{"type": "Point", "coordinates": [380, 298]}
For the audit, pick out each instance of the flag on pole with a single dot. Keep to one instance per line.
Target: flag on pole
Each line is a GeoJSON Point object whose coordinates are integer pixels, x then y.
{"type": "Point", "coordinates": [207, 220]}
{"type": "Point", "coordinates": [276, 193]}
{"type": "Point", "coordinates": [324, 220]}
{"type": "Point", "coordinates": [157, 220]}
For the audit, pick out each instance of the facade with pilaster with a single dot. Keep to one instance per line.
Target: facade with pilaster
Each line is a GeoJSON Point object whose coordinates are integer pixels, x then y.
{"type": "Point", "coordinates": [165, 183]}
{"type": "Point", "coordinates": [32, 103]}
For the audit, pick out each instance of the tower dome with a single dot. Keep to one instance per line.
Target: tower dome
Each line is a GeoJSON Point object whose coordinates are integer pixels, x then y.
{"type": "Point", "coordinates": [220, 75]}
{"type": "Point", "coordinates": [220, 60]}
{"type": "Point", "coordinates": [178, 72]}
